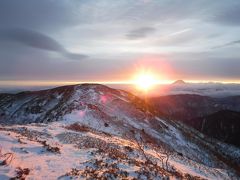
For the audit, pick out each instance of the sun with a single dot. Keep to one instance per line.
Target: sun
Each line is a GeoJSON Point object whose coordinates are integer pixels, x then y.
{"type": "Point", "coordinates": [145, 81]}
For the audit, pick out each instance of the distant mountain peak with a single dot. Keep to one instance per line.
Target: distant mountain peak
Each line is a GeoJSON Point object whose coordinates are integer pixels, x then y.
{"type": "Point", "coordinates": [179, 82]}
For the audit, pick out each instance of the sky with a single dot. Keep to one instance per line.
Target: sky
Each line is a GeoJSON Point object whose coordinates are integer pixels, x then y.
{"type": "Point", "coordinates": [110, 41]}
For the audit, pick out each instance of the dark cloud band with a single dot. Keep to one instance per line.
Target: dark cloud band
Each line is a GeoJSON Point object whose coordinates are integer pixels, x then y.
{"type": "Point", "coordinates": [227, 44]}
{"type": "Point", "coordinates": [37, 40]}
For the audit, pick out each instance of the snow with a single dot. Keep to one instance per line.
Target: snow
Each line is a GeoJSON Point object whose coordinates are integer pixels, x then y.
{"type": "Point", "coordinates": [47, 165]}
{"type": "Point", "coordinates": [42, 164]}
{"type": "Point", "coordinates": [113, 126]}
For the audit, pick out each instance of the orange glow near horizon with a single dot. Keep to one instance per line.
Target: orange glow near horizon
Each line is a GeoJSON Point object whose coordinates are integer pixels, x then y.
{"type": "Point", "coordinates": [144, 74]}
{"type": "Point", "coordinates": [129, 82]}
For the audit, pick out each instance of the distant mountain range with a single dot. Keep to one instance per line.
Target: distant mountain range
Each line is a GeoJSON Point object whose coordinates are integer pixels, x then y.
{"type": "Point", "coordinates": [216, 117]}
{"type": "Point", "coordinates": [223, 125]}
{"type": "Point", "coordinates": [203, 89]}
{"type": "Point", "coordinates": [132, 134]}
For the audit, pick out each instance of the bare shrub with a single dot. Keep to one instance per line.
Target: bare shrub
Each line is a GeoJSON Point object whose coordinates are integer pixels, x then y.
{"type": "Point", "coordinates": [78, 127]}
{"type": "Point", "coordinates": [163, 155]}
{"type": "Point", "coordinates": [128, 148]}
{"type": "Point", "coordinates": [73, 172]}
{"type": "Point", "coordinates": [190, 177]}
{"type": "Point", "coordinates": [115, 154]}
{"type": "Point", "coordinates": [99, 169]}
{"type": "Point", "coordinates": [140, 144]}
{"type": "Point", "coordinates": [6, 158]}
{"type": "Point", "coordinates": [22, 173]}
{"type": "Point", "coordinates": [106, 124]}
{"type": "Point", "coordinates": [50, 148]}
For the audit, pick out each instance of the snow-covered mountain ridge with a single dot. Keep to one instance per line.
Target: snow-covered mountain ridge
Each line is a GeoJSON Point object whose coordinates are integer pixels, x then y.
{"type": "Point", "coordinates": [107, 133]}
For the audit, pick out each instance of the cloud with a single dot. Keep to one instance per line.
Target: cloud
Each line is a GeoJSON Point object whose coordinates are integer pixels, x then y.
{"type": "Point", "coordinates": [227, 44]}
{"type": "Point", "coordinates": [140, 33]}
{"type": "Point", "coordinates": [37, 40]}
{"type": "Point", "coordinates": [229, 15]}
{"type": "Point", "coordinates": [106, 29]}
{"type": "Point", "coordinates": [34, 14]}
{"type": "Point", "coordinates": [180, 32]}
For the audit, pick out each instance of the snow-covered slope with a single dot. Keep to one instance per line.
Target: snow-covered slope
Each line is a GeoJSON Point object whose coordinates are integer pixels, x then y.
{"type": "Point", "coordinates": [93, 130]}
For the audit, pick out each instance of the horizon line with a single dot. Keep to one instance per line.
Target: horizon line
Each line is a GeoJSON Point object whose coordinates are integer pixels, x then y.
{"type": "Point", "coordinates": [56, 83]}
